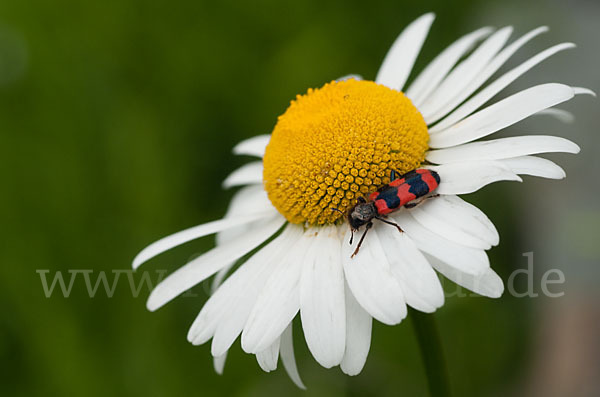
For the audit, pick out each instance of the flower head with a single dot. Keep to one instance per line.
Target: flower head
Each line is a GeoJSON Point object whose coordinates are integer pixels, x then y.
{"type": "Point", "coordinates": [337, 144]}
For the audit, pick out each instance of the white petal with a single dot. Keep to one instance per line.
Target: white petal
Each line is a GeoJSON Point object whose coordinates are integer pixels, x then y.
{"type": "Point", "coordinates": [286, 351]}
{"type": "Point", "coordinates": [369, 277]}
{"type": "Point", "coordinates": [502, 114]}
{"type": "Point", "coordinates": [279, 300]}
{"type": "Point", "coordinates": [247, 200]}
{"type": "Point", "coordinates": [536, 166]}
{"type": "Point", "coordinates": [246, 291]}
{"type": "Point", "coordinates": [469, 260]}
{"type": "Point", "coordinates": [166, 243]}
{"type": "Point", "coordinates": [247, 174]}
{"type": "Point", "coordinates": [358, 336]}
{"type": "Point", "coordinates": [470, 176]}
{"type": "Point", "coordinates": [226, 311]}
{"type": "Point", "coordinates": [356, 77]}
{"type": "Point", "coordinates": [583, 91]}
{"type": "Point", "coordinates": [219, 363]}
{"type": "Point", "coordinates": [254, 146]}
{"type": "Point", "coordinates": [465, 219]}
{"type": "Point", "coordinates": [322, 306]}
{"type": "Point", "coordinates": [437, 69]}
{"type": "Point", "coordinates": [560, 114]}
{"type": "Point", "coordinates": [456, 232]}
{"type": "Point", "coordinates": [499, 84]}
{"type": "Point", "coordinates": [420, 284]}
{"type": "Point", "coordinates": [402, 55]}
{"type": "Point", "coordinates": [486, 73]}
{"type": "Point", "coordinates": [267, 359]}
{"type": "Point", "coordinates": [464, 73]}
{"type": "Point", "coordinates": [502, 148]}
{"type": "Point", "coordinates": [209, 263]}
{"type": "Point", "coordinates": [487, 284]}
{"type": "Point", "coordinates": [219, 277]}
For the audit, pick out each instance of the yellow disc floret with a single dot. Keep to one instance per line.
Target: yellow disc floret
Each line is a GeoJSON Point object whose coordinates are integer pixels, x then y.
{"type": "Point", "coordinates": [337, 143]}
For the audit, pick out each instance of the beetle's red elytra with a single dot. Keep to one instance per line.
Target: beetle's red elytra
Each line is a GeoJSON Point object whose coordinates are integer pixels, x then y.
{"type": "Point", "coordinates": [401, 192]}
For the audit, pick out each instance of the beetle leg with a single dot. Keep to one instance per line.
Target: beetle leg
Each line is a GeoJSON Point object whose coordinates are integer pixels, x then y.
{"type": "Point", "coordinates": [390, 223]}
{"type": "Point", "coordinates": [396, 175]}
{"type": "Point", "coordinates": [367, 227]}
{"type": "Point", "coordinates": [414, 204]}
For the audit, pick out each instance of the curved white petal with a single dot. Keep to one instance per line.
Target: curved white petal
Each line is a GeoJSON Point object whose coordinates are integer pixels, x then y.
{"type": "Point", "coordinates": [437, 69]}
{"type": "Point", "coordinates": [487, 284]}
{"type": "Point", "coordinates": [560, 114]}
{"type": "Point", "coordinates": [219, 277]}
{"type": "Point", "coordinates": [226, 311]}
{"type": "Point", "coordinates": [247, 174]}
{"type": "Point", "coordinates": [486, 73]}
{"type": "Point", "coordinates": [247, 200]}
{"type": "Point", "coordinates": [419, 283]}
{"type": "Point", "coordinates": [459, 78]}
{"type": "Point", "coordinates": [267, 359]}
{"type": "Point", "coordinates": [470, 176]}
{"type": "Point", "coordinates": [254, 146]}
{"type": "Point", "coordinates": [502, 148]}
{"type": "Point", "coordinates": [583, 91]}
{"type": "Point", "coordinates": [286, 352]}
{"type": "Point", "coordinates": [535, 166]}
{"type": "Point", "coordinates": [209, 263]}
{"type": "Point", "coordinates": [467, 259]}
{"type": "Point", "coordinates": [451, 231]}
{"type": "Point", "coordinates": [369, 277]}
{"type": "Point", "coordinates": [219, 363]}
{"type": "Point", "coordinates": [356, 77]}
{"type": "Point", "coordinates": [248, 287]}
{"type": "Point", "coordinates": [402, 55]}
{"type": "Point", "coordinates": [495, 87]}
{"type": "Point", "coordinates": [216, 283]}
{"type": "Point", "coordinates": [358, 335]}
{"type": "Point", "coordinates": [322, 307]}
{"type": "Point", "coordinates": [502, 114]}
{"type": "Point", "coordinates": [279, 300]}
{"type": "Point", "coordinates": [460, 218]}
{"type": "Point", "coordinates": [166, 243]}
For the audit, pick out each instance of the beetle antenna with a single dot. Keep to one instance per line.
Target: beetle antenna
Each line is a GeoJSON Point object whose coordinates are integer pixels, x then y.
{"type": "Point", "coordinates": [367, 227]}
{"type": "Point", "coordinates": [335, 209]}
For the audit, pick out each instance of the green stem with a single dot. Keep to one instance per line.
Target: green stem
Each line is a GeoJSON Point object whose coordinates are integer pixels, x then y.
{"type": "Point", "coordinates": [431, 351]}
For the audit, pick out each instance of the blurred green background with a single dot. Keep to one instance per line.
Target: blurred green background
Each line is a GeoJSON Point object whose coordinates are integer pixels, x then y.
{"type": "Point", "coordinates": [117, 119]}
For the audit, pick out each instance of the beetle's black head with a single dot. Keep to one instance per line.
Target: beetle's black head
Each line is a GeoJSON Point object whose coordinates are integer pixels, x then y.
{"type": "Point", "coordinates": [361, 214]}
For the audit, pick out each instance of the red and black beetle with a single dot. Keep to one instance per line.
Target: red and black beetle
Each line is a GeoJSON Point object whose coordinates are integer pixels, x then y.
{"type": "Point", "coordinates": [402, 191]}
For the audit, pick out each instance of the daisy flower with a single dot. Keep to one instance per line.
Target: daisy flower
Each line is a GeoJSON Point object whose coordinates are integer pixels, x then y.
{"type": "Point", "coordinates": [340, 142]}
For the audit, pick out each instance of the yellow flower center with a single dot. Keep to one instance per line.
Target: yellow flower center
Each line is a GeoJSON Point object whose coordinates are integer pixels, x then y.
{"type": "Point", "coordinates": [337, 143]}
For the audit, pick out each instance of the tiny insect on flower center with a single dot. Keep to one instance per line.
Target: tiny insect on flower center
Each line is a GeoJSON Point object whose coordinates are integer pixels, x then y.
{"type": "Point", "coordinates": [337, 143]}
